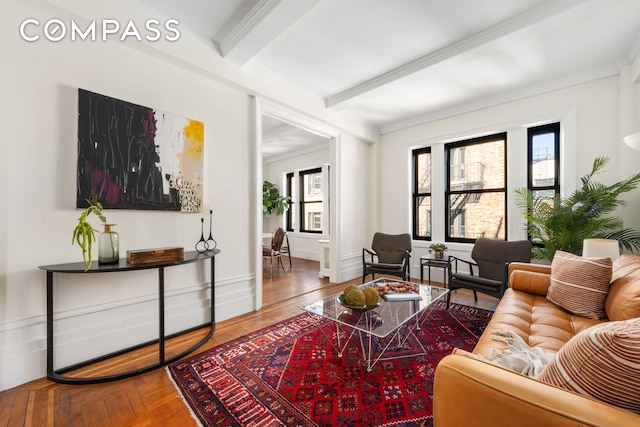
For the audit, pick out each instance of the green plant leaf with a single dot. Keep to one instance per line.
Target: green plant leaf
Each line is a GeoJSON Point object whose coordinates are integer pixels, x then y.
{"type": "Point", "coordinates": [564, 223]}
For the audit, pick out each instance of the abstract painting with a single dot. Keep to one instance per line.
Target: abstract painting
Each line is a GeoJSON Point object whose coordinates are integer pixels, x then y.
{"type": "Point", "coordinates": [135, 157]}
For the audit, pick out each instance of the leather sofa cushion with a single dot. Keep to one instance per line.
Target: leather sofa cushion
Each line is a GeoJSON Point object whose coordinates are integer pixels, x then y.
{"type": "Point", "coordinates": [538, 321]}
{"type": "Point", "coordinates": [623, 301]}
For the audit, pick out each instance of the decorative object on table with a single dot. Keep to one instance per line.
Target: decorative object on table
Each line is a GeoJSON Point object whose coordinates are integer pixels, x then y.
{"type": "Point", "coordinates": [564, 223]}
{"type": "Point", "coordinates": [108, 245]}
{"type": "Point", "coordinates": [290, 374]}
{"type": "Point", "coordinates": [148, 256]}
{"type": "Point", "coordinates": [438, 250]}
{"type": "Point", "coordinates": [201, 245]}
{"type": "Point", "coordinates": [399, 291]}
{"type": "Point", "coordinates": [84, 234]}
{"type": "Point", "coordinates": [136, 157]}
{"type": "Point", "coordinates": [209, 244]}
{"type": "Point", "coordinates": [358, 298]}
{"type": "Point", "coordinates": [272, 201]}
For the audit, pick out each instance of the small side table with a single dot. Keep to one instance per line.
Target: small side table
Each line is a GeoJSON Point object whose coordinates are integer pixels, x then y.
{"type": "Point", "coordinates": [435, 263]}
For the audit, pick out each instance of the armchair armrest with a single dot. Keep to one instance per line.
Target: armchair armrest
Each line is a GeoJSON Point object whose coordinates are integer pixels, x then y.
{"type": "Point", "coordinates": [453, 261]}
{"type": "Point", "coordinates": [366, 252]}
{"type": "Point", "coordinates": [471, 392]}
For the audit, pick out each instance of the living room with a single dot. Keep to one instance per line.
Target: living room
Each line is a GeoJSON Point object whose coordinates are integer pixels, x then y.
{"type": "Point", "coordinates": [371, 166]}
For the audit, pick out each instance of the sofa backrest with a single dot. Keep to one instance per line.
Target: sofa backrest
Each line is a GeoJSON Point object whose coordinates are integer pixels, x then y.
{"type": "Point", "coordinates": [623, 300]}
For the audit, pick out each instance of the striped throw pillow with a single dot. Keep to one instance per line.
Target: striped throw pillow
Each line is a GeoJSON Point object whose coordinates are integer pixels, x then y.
{"type": "Point", "coordinates": [580, 284]}
{"type": "Point", "coordinates": [602, 362]}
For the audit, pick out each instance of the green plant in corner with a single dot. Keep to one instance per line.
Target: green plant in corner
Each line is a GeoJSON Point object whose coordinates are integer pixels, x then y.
{"type": "Point", "coordinates": [563, 223]}
{"type": "Point", "coordinates": [272, 201]}
{"type": "Point", "coordinates": [84, 233]}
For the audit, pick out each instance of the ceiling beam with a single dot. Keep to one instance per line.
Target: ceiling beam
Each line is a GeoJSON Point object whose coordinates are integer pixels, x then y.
{"type": "Point", "coordinates": [495, 32]}
{"type": "Point", "coordinates": [260, 26]}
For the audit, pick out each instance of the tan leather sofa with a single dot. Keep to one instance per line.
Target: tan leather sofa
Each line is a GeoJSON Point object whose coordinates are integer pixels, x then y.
{"type": "Point", "coordinates": [469, 391]}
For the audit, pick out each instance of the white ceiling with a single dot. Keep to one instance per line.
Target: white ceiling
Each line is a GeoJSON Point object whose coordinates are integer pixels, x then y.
{"type": "Point", "coordinates": [396, 63]}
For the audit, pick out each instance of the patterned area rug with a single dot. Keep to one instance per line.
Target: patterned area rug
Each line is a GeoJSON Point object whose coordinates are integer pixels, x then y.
{"type": "Point", "coordinates": [289, 374]}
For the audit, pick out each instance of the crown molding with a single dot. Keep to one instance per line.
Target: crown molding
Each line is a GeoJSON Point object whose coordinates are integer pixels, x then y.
{"type": "Point", "coordinates": [504, 28]}
{"type": "Point", "coordinates": [247, 24]}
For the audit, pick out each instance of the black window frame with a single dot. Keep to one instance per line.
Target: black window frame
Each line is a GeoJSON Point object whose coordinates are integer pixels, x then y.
{"type": "Point", "coordinates": [303, 203]}
{"type": "Point", "coordinates": [553, 128]}
{"type": "Point", "coordinates": [448, 192]}
{"type": "Point", "coordinates": [289, 214]}
{"type": "Point", "coordinates": [417, 195]}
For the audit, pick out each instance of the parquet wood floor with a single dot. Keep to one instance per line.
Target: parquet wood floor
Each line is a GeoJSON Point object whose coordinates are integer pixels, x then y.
{"type": "Point", "coordinates": [150, 399]}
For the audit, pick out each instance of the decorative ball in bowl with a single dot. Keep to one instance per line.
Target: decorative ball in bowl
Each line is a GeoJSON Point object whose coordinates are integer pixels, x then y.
{"type": "Point", "coordinates": [357, 307]}
{"type": "Point", "coordinates": [360, 299]}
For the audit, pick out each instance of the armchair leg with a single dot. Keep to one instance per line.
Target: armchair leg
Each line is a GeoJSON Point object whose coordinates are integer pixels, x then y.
{"type": "Point", "coordinates": [448, 299]}
{"type": "Point", "coordinates": [475, 296]}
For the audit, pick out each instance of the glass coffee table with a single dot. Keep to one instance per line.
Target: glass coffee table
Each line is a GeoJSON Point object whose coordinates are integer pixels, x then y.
{"type": "Point", "coordinates": [390, 323]}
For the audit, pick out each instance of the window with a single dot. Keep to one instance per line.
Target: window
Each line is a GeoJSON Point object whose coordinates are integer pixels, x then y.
{"type": "Point", "coordinates": [544, 160]}
{"type": "Point", "coordinates": [476, 189]}
{"type": "Point", "coordinates": [422, 194]}
{"type": "Point", "coordinates": [311, 200]}
{"type": "Point", "coordinates": [289, 214]}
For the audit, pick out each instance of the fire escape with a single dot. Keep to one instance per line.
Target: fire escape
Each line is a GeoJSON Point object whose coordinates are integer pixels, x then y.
{"type": "Point", "coordinates": [465, 177]}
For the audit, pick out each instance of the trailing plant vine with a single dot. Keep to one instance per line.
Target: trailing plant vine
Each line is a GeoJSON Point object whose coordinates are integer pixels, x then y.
{"type": "Point", "coordinates": [84, 234]}
{"type": "Point", "coordinates": [563, 223]}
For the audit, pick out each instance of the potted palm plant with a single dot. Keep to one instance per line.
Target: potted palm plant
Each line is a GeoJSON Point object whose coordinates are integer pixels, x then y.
{"type": "Point", "coordinates": [564, 223]}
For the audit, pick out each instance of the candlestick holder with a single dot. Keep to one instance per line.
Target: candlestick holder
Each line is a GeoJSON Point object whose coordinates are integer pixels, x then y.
{"type": "Point", "coordinates": [211, 243]}
{"type": "Point", "coordinates": [202, 245]}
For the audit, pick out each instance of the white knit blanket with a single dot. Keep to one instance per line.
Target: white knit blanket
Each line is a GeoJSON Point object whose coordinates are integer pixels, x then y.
{"type": "Point", "coordinates": [518, 356]}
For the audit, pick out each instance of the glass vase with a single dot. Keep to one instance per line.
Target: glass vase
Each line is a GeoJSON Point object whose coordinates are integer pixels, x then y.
{"type": "Point", "coordinates": [108, 245]}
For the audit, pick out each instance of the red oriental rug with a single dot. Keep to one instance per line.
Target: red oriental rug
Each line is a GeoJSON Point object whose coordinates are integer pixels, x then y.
{"type": "Point", "coordinates": [289, 374]}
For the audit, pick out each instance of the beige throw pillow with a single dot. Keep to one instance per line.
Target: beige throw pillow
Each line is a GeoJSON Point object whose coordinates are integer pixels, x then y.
{"type": "Point", "coordinates": [602, 362]}
{"type": "Point", "coordinates": [580, 284]}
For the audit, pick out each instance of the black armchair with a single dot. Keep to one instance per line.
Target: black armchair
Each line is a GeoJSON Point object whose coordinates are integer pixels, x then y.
{"type": "Point", "coordinates": [389, 255]}
{"type": "Point", "coordinates": [488, 274]}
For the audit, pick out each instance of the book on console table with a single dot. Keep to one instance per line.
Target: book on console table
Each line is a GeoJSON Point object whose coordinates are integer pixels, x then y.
{"type": "Point", "coordinates": [147, 256]}
{"type": "Point", "coordinates": [402, 296]}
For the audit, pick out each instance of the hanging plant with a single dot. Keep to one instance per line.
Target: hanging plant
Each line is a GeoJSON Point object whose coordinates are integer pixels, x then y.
{"type": "Point", "coordinates": [563, 223]}
{"type": "Point", "coordinates": [272, 202]}
{"type": "Point", "coordinates": [84, 234]}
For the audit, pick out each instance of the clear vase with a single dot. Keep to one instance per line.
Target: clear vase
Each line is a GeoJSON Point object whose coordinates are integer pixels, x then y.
{"type": "Point", "coordinates": [108, 245]}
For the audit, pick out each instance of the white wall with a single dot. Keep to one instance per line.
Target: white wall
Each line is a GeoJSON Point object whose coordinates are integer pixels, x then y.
{"type": "Point", "coordinates": [589, 114]}
{"type": "Point", "coordinates": [359, 207]}
{"type": "Point", "coordinates": [38, 166]}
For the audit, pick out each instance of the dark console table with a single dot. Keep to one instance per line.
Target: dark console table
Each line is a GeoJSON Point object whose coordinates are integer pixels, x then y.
{"type": "Point", "coordinates": [57, 375]}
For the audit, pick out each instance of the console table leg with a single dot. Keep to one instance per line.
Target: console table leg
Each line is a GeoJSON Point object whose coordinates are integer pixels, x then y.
{"type": "Point", "coordinates": [161, 314]}
{"type": "Point", "coordinates": [49, 322]}
{"type": "Point", "coordinates": [213, 291]}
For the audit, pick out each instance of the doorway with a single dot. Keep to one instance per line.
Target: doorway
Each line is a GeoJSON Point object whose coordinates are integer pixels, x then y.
{"type": "Point", "coordinates": [288, 143]}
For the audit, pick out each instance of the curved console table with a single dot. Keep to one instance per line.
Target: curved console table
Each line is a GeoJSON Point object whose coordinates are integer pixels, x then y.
{"type": "Point", "coordinates": [57, 375]}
